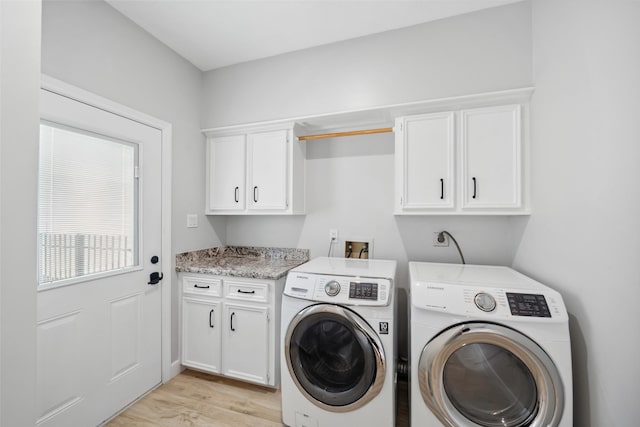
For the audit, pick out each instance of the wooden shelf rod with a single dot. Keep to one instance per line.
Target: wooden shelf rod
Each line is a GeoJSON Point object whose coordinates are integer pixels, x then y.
{"type": "Point", "coordinates": [339, 134]}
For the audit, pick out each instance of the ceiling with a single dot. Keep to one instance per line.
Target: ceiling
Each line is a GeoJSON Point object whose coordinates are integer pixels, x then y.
{"type": "Point", "coordinates": [216, 33]}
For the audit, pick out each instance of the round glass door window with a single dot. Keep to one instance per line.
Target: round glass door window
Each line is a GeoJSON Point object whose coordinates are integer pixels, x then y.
{"type": "Point", "coordinates": [490, 386]}
{"type": "Point", "coordinates": [332, 358]}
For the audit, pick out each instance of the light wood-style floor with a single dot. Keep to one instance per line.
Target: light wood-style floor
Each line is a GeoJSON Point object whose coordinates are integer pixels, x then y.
{"type": "Point", "coordinates": [197, 399]}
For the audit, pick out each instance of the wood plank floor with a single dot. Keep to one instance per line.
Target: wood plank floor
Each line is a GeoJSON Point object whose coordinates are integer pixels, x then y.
{"type": "Point", "coordinates": [197, 399]}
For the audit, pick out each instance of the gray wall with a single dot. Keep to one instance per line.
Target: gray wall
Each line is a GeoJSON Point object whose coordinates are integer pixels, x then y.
{"type": "Point", "coordinates": [91, 45]}
{"type": "Point", "coordinates": [350, 180]}
{"type": "Point", "coordinates": [584, 235]}
{"type": "Point", "coordinates": [478, 52]}
{"type": "Point", "coordinates": [19, 119]}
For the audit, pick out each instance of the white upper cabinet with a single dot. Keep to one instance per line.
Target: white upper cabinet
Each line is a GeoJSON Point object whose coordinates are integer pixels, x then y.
{"type": "Point", "coordinates": [226, 169]}
{"type": "Point", "coordinates": [491, 145]}
{"type": "Point", "coordinates": [425, 157]}
{"type": "Point", "coordinates": [465, 162]}
{"type": "Point", "coordinates": [255, 170]}
{"type": "Point", "coordinates": [268, 170]}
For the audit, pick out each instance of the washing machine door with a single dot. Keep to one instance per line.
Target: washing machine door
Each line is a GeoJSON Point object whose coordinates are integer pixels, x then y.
{"type": "Point", "coordinates": [483, 374]}
{"type": "Point", "coordinates": [334, 357]}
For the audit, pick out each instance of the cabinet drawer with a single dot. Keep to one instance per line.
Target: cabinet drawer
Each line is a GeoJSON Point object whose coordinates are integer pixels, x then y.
{"type": "Point", "coordinates": [258, 292]}
{"type": "Point", "coordinates": [202, 286]}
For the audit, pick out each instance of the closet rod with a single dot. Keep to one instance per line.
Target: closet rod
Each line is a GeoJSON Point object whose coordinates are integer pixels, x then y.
{"type": "Point", "coordinates": [339, 134]}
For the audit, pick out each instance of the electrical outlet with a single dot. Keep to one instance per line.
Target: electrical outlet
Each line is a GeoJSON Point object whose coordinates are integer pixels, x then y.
{"type": "Point", "coordinates": [333, 235]}
{"type": "Point", "coordinates": [192, 220]}
{"type": "Point", "coordinates": [445, 242]}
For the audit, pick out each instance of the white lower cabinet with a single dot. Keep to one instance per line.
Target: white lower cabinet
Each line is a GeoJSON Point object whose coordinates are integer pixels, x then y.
{"type": "Point", "coordinates": [231, 326]}
{"type": "Point", "coordinates": [245, 341]}
{"type": "Point", "coordinates": [201, 334]}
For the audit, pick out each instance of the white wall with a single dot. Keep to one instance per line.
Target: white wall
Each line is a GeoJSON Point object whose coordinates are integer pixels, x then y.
{"type": "Point", "coordinates": [19, 118]}
{"type": "Point", "coordinates": [350, 180]}
{"type": "Point", "coordinates": [478, 52]}
{"type": "Point", "coordinates": [584, 235]}
{"type": "Point", "coordinates": [91, 45]}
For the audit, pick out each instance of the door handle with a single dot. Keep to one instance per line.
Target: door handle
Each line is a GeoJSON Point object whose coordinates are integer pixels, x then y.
{"type": "Point", "coordinates": [232, 316]}
{"type": "Point", "coordinates": [255, 194]}
{"type": "Point", "coordinates": [236, 193]}
{"type": "Point", "coordinates": [441, 188]}
{"type": "Point", "coordinates": [211, 318]}
{"type": "Point", "coordinates": [154, 278]}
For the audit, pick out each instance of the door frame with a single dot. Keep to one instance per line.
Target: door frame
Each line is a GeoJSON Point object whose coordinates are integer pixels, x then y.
{"type": "Point", "coordinates": [169, 369]}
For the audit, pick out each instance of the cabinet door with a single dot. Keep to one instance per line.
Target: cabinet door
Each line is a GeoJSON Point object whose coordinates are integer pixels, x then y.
{"type": "Point", "coordinates": [226, 172]}
{"type": "Point", "coordinates": [268, 170]}
{"type": "Point", "coordinates": [201, 334]}
{"type": "Point", "coordinates": [491, 157]}
{"type": "Point", "coordinates": [425, 152]}
{"type": "Point", "coordinates": [246, 342]}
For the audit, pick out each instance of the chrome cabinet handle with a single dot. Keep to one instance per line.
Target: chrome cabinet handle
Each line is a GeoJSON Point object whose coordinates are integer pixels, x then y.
{"type": "Point", "coordinates": [236, 193]}
{"type": "Point", "coordinates": [211, 318]}
{"type": "Point", "coordinates": [240, 291]}
{"type": "Point", "coordinates": [201, 287]}
{"type": "Point", "coordinates": [232, 316]}
{"type": "Point", "coordinates": [255, 194]}
{"type": "Point", "coordinates": [441, 188]}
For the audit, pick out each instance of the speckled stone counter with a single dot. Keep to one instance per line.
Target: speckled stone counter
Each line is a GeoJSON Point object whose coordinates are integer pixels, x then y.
{"type": "Point", "coordinates": [242, 261]}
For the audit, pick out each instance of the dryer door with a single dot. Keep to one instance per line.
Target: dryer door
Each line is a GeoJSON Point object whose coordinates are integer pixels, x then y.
{"type": "Point", "coordinates": [334, 357]}
{"type": "Point", "coordinates": [483, 374]}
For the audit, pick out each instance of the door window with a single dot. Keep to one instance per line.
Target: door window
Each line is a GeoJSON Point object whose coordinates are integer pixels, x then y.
{"type": "Point", "coordinates": [87, 204]}
{"type": "Point", "coordinates": [490, 386]}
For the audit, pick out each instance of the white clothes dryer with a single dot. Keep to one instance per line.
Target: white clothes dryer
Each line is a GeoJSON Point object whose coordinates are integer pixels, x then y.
{"type": "Point", "coordinates": [489, 347]}
{"type": "Point", "coordinates": [338, 362]}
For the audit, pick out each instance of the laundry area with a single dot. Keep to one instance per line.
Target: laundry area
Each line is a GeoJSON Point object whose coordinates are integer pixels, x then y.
{"type": "Point", "coordinates": [319, 213]}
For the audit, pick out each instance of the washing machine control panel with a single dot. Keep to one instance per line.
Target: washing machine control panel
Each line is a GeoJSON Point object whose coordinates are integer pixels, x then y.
{"type": "Point", "coordinates": [339, 289]}
{"type": "Point", "coordinates": [533, 305]}
{"type": "Point", "coordinates": [332, 288]}
{"type": "Point", "coordinates": [485, 301]}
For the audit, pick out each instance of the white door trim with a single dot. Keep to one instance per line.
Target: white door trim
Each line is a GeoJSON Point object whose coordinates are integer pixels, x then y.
{"type": "Point", "coordinates": [169, 370]}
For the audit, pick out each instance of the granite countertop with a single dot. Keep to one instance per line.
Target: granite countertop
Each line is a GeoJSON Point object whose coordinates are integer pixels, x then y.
{"type": "Point", "coordinates": [242, 261]}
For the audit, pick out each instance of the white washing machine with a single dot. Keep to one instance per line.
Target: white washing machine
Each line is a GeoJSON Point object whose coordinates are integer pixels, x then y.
{"type": "Point", "coordinates": [338, 344]}
{"type": "Point", "coordinates": [489, 347]}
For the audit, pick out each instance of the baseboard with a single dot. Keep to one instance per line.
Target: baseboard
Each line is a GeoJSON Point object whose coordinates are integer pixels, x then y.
{"type": "Point", "coordinates": [175, 369]}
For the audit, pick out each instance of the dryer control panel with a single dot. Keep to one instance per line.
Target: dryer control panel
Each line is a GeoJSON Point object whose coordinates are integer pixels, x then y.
{"type": "Point", "coordinates": [362, 291]}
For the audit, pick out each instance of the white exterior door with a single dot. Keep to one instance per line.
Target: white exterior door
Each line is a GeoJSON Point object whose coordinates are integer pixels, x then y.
{"type": "Point", "coordinates": [99, 318]}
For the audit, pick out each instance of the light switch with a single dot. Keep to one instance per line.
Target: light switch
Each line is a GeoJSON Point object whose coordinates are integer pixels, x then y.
{"type": "Point", "coordinates": [192, 220]}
